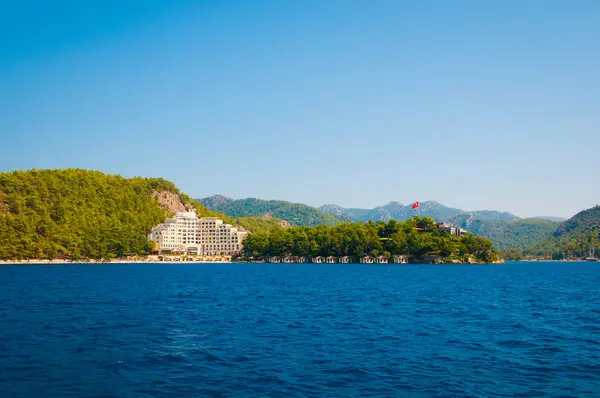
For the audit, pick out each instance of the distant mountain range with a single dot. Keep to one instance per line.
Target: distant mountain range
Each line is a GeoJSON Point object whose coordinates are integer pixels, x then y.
{"type": "Point", "coordinates": [301, 214]}
{"type": "Point", "coordinates": [504, 229]}
{"type": "Point", "coordinates": [296, 214]}
{"type": "Point", "coordinates": [398, 211]}
{"type": "Point", "coordinates": [47, 213]}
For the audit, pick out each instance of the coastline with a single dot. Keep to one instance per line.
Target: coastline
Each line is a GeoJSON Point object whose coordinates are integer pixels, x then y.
{"type": "Point", "coordinates": [139, 260]}
{"type": "Point", "coordinates": [60, 261]}
{"type": "Point", "coordinates": [200, 260]}
{"type": "Point", "coordinates": [225, 261]}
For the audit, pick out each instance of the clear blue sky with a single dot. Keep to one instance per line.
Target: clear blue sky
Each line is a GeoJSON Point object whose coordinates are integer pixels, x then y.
{"type": "Point", "coordinates": [475, 104]}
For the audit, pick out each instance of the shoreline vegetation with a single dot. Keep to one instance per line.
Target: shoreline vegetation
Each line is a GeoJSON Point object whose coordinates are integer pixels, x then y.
{"type": "Point", "coordinates": [173, 259]}
{"type": "Point", "coordinates": [224, 259]}
{"type": "Point", "coordinates": [419, 239]}
{"type": "Point", "coordinates": [87, 214]}
{"type": "Point", "coordinates": [138, 260]}
{"type": "Point", "coordinates": [77, 215]}
{"type": "Point", "coordinates": [150, 260]}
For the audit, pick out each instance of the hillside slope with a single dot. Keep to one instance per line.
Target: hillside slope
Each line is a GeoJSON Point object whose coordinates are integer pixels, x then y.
{"type": "Point", "coordinates": [582, 222]}
{"type": "Point", "coordinates": [75, 212]}
{"type": "Point", "coordinates": [508, 234]}
{"type": "Point", "coordinates": [577, 237]}
{"type": "Point", "coordinates": [81, 213]}
{"type": "Point", "coordinates": [295, 213]}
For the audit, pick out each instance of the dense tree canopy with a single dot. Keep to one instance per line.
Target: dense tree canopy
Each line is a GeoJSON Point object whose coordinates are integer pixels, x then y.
{"type": "Point", "coordinates": [577, 237]}
{"type": "Point", "coordinates": [417, 237]}
{"type": "Point", "coordinates": [509, 234]}
{"type": "Point", "coordinates": [78, 213]}
{"type": "Point", "coordinates": [572, 245]}
{"type": "Point", "coordinates": [584, 221]}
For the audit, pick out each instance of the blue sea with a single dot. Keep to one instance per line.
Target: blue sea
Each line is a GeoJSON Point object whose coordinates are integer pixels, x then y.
{"type": "Point", "coordinates": [291, 330]}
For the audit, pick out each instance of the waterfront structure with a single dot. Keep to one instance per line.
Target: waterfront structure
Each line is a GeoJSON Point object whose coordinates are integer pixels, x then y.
{"type": "Point", "coordinates": [330, 260]}
{"type": "Point", "coordinates": [451, 229]}
{"type": "Point", "coordinates": [318, 260]}
{"type": "Point", "coordinates": [185, 233]}
{"type": "Point", "coordinates": [367, 260]}
{"type": "Point", "coordinates": [293, 259]}
{"type": "Point", "coordinates": [400, 259]}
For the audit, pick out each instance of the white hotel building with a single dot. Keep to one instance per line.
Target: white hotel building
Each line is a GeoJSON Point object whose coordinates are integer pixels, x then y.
{"type": "Point", "coordinates": [186, 233]}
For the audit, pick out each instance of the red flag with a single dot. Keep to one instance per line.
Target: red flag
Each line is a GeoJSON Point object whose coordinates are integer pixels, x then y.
{"type": "Point", "coordinates": [415, 205]}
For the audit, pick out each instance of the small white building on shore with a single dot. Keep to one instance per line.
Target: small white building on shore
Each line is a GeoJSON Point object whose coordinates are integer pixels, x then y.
{"type": "Point", "coordinates": [367, 260]}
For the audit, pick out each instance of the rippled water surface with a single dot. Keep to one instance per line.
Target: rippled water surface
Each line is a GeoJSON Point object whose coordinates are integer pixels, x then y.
{"type": "Point", "coordinates": [142, 330]}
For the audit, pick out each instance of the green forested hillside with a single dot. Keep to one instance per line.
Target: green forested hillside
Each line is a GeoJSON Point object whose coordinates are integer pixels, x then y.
{"type": "Point", "coordinates": [295, 213]}
{"type": "Point", "coordinates": [417, 237]}
{"type": "Point", "coordinates": [49, 213]}
{"type": "Point", "coordinates": [510, 234]}
{"type": "Point", "coordinates": [578, 237]}
{"type": "Point", "coordinates": [81, 213]}
{"type": "Point", "coordinates": [583, 222]}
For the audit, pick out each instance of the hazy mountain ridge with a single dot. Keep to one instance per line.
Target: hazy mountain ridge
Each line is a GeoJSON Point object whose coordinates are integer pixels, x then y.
{"type": "Point", "coordinates": [350, 214]}
{"type": "Point", "coordinates": [398, 211]}
{"type": "Point", "coordinates": [494, 215]}
{"type": "Point", "coordinates": [504, 229]}
{"type": "Point", "coordinates": [551, 218]}
{"type": "Point", "coordinates": [297, 214]}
